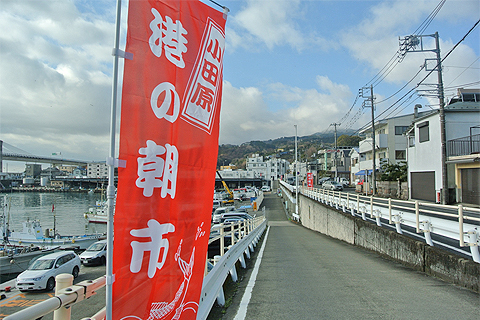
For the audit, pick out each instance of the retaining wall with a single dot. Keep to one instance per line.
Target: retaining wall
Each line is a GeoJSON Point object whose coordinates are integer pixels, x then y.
{"type": "Point", "coordinates": [410, 252]}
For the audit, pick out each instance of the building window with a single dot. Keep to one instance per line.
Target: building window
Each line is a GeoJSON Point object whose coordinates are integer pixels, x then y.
{"type": "Point", "coordinates": [400, 155]}
{"type": "Point", "coordinates": [399, 130]}
{"type": "Point", "coordinates": [423, 134]}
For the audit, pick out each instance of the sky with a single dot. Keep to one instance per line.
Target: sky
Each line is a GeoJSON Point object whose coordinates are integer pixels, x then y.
{"type": "Point", "coordinates": [287, 63]}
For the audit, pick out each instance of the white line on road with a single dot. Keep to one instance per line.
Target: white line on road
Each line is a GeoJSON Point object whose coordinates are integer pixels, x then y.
{"type": "Point", "coordinates": [247, 295]}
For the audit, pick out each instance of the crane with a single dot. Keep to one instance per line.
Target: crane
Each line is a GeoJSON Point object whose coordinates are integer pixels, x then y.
{"type": "Point", "coordinates": [230, 193]}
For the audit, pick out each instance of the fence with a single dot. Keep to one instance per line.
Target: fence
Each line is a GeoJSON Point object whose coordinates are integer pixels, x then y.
{"type": "Point", "coordinates": [243, 236]}
{"type": "Point", "coordinates": [459, 223]}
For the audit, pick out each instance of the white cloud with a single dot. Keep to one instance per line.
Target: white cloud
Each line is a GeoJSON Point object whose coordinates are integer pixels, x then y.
{"type": "Point", "coordinates": [56, 83]}
{"type": "Point", "coordinates": [375, 39]}
{"type": "Point", "coordinates": [246, 116]}
{"type": "Point", "coordinates": [271, 23]}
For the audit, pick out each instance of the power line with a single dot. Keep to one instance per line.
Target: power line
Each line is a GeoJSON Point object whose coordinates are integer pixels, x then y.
{"type": "Point", "coordinates": [394, 61]}
{"type": "Point", "coordinates": [428, 74]}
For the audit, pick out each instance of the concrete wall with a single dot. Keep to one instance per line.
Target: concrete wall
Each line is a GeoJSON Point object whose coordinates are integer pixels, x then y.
{"type": "Point", "coordinates": [410, 252]}
{"type": "Point", "coordinates": [389, 189]}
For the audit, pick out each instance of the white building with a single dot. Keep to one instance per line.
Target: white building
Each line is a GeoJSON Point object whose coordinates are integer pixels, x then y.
{"type": "Point", "coordinates": [390, 141]}
{"type": "Point", "coordinates": [272, 169]}
{"type": "Point", "coordinates": [357, 164]}
{"type": "Point", "coordinates": [424, 154]}
{"type": "Point", "coordinates": [97, 170]}
{"type": "Point", "coordinates": [236, 174]}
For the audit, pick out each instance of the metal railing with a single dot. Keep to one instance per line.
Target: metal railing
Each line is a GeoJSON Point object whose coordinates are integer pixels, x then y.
{"type": "Point", "coordinates": [243, 236]}
{"type": "Point", "coordinates": [460, 223]}
{"type": "Point", "coordinates": [463, 146]}
{"type": "Point", "coordinates": [455, 222]}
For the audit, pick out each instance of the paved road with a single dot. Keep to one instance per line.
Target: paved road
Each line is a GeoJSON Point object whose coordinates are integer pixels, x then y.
{"type": "Point", "coordinates": [306, 275]}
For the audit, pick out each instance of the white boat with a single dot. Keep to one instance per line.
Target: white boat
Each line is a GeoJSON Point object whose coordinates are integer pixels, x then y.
{"type": "Point", "coordinates": [15, 258]}
{"type": "Point", "coordinates": [32, 235]}
{"type": "Point", "coordinates": [98, 213]}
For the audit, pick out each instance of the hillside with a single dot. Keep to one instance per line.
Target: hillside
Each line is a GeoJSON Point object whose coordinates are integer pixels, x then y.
{"type": "Point", "coordinates": [283, 147]}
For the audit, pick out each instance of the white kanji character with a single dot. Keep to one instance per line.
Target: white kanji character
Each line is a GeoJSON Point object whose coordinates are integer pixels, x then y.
{"type": "Point", "coordinates": [169, 34]}
{"type": "Point", "coordinates": [175, 42]}
{"type": "Point", "coordinates": [161, 112]}
{"type": "Point", "coordinates": [155, 232]}
{"type": "Point", "coordinates": [150, 168]}
{"type": "Point", "coordinates": [155, 40]}
{"type": "Point", "coordinates": [170, 172]}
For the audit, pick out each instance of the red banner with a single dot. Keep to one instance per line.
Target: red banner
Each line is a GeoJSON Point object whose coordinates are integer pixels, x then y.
{"type": "Point", "coordinates": [310, 180]}
{"type": "Point", "coordinates": [169, 138]}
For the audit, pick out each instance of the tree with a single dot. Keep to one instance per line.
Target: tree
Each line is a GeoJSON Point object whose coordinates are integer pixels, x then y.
{"type": "Point", "coordinates": [394, 172]}
{"type": "Point", "coordinates": [348, 141]}
{"type": "Point", "coordinates": [310, 151]}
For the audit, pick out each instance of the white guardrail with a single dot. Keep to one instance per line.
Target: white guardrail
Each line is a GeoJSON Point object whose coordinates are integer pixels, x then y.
{"type": "Point", "coordinates": [243, 236]}
{"type": "Point", "coordinates": [458, 222]}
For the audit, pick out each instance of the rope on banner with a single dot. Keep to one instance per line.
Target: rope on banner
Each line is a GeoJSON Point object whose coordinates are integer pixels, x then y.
{"type": "Point", "coordinates": [225, 9]}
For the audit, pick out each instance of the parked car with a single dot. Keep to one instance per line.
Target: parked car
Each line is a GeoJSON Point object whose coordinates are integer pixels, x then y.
{"type": "Point", "coordinates": [266, 189]}
{"type": "Point", "coordinates": [216, 204]}
{"type": "Point", "coordinates": [229, 215]}
{"type": "Point", "coordinates": [96, 254]}
{"type": "Point", "coordinates": [321, 181]}
{"type": "Point", "coordinates": [219, 211]}
{"type": "Point", "coordinates": [41, 273]}
{"type": "Point", "coordinates": [332, 185]}
{"type": "Point", "coordinates": [344, 182]}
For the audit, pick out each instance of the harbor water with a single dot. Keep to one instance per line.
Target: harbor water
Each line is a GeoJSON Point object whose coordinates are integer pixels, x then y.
{"type": "Point", "coordinates": [68, 213]}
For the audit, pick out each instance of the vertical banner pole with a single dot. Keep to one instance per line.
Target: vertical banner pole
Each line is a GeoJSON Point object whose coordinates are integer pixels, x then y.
{"type": "Point", "coordinates": [111, 167]}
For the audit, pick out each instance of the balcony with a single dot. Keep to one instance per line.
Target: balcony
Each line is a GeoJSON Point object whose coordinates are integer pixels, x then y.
{"type": "Point", "coordinates": [381, 141]}
{"type": "Point", "coordinates": [463, 146]}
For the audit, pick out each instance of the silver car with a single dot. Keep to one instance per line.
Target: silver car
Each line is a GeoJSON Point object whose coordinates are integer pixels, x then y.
{"type": "Point", "coordinates": [332, 185]}
{"type": "Point", "coordinates": [41, 273]}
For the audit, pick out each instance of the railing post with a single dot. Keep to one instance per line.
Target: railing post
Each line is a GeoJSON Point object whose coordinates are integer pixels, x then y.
{"type": "Point", "coordinates": [371, 206]}
{"type": "Point", "coordinates": [221, 295]}
{"type": "Point", "coordinates": [222, 240]}
{"type": "Point", "coordinates": [390, 210]}
{"type": "Point", "coordinates": [417, 214]}
{"type": "Point", "coordinates": [460, 224]}
{"type": "Point", "coordinates": [62, 281]}
{"type": "Point", "coordinates": [232, 234]}
{"type": "Point", "coordinates": [358, 202]}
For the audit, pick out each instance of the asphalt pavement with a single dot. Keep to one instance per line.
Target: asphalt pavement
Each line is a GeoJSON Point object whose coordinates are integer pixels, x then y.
{"type": "Point", "coordinates": [306, 275]}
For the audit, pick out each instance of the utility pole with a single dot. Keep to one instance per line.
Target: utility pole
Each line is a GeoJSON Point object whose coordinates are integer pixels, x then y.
{"type": "Point", "coordinates": [369, 103]}
{"type": "Point", "coordinates": [335, 153]}
{"type": "Point", "coordinates": [409, 44]}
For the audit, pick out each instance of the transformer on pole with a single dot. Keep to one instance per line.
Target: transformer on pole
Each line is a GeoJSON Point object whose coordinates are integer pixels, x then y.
{"type": "Point", "coordinates": [414, 43]}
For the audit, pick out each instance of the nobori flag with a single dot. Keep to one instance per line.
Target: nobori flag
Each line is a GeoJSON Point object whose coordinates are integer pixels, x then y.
{"type": "Point", "coordinates": [169, 138]}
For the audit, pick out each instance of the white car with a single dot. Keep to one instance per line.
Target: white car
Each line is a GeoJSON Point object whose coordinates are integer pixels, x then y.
{"type": "Point", "coordinates": [332, 185]}
{"type": "Point", "coordinates": [96, 254]}
{"type": "Point", "coordinates": [266, 188]}
{"type": "Point", "coordinates": [41, 273]}
{"type": "Point", "coordinates": [219, 211]}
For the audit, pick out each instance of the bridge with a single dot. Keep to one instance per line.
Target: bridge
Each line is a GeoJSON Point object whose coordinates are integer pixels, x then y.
{"type": "Point", "coordinates": [9, 152]}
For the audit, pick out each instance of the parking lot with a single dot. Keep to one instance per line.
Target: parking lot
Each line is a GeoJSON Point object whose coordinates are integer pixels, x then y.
{"type": "Point", "coordinates": [15, 300]}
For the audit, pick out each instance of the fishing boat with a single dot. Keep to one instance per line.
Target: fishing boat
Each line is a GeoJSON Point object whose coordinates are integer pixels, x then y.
{"type": "Point", "coordinates": [97, 213]}
{"type": "Point", "coordinates": [15, 258]}
{"type": "Point", "coordinates": [32, 235]}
